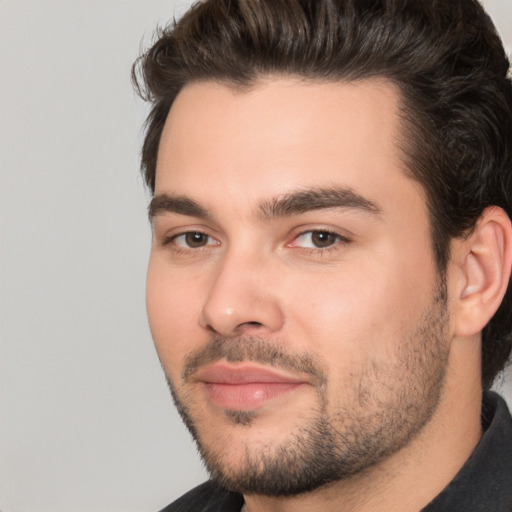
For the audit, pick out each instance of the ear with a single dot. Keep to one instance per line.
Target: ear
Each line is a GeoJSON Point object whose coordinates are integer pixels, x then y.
{"type": "Point", "coordinates": [484, 262]}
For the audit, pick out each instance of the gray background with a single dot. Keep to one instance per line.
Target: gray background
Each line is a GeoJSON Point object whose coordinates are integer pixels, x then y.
{"type": "Point", "coordinates": [86, 422]}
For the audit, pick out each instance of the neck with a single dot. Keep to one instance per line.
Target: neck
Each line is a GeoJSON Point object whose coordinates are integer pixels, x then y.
{"type": "Point", "coordinates": [411, 478]}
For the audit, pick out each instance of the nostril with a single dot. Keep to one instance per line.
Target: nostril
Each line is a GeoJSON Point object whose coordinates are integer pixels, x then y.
{"type": "Point", "coordinates": [252, 324]}
{"type": "Point", "coordinates": [211, 329]}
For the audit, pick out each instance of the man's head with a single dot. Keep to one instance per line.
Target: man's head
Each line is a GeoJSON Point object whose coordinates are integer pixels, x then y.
{"type": "Point", "coordinates": [445, 58]}
{"type": "Point", "coordinates": [320, 174]}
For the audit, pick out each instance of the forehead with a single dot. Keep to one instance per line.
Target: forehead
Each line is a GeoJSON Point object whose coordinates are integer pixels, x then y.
{"type": "Point", "coordinates": [279, 135]}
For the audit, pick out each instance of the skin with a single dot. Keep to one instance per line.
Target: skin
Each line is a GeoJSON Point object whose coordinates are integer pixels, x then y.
{"type": "Point", "coordinates": [354, 305]}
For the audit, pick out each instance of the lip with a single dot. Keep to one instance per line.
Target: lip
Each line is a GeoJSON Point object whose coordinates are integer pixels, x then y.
{"type": "Point", "coordinates": [245, 387]}
{"type": "Point", "coordinates": [221, 373]}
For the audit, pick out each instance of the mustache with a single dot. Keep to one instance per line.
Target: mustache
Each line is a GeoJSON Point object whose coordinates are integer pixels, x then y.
{"type": "Point", "coordinates": [258, 350]}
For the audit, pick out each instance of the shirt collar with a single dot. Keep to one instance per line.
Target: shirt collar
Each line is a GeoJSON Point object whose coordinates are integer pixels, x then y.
{"type": "Point", "coordinates": [485, 481]}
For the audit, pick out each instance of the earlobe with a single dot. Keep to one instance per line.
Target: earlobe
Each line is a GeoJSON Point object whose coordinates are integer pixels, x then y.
{"type": "Point", "coordinates": [486, 267]}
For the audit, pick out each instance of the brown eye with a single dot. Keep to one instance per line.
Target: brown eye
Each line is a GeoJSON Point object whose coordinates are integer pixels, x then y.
{"type": "Point", "coordinates": [193, 240]}
{"type": "Point", "coordinates": [318, 239]}
{"type": "Point", "coordinates": [196, 239]}
{"type": "Point", "coordinates": [323, 239]}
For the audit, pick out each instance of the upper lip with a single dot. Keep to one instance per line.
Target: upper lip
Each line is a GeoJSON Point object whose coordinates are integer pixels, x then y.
{"type": "Point", "coordinates": [221, 373]}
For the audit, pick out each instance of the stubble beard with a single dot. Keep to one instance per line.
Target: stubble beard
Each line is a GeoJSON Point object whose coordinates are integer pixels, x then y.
{"type": "Point", "coordinates": [392, 403]}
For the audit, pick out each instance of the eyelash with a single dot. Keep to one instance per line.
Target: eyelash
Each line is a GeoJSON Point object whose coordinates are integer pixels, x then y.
{"type": "Point", "coordinates": [171, 240]}
{"type": "Point", "coordinates": [335, 245]}
{"type": "Point", "coordinates": [339, 240]}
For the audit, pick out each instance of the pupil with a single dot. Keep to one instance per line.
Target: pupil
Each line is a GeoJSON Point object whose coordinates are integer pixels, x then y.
{"type": "Point", "coordinates": [322, 238]}
{"type": "Point", "coordinates": [195, 239]}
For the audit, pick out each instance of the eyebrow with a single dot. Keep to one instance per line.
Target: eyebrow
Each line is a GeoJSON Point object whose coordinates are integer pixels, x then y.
{"type": "Point", "coordinates": [318, 198]}
{"type": "Point", "coordinates": [286, 205]}
{"type": "Point", "coordinates": [181, 205]}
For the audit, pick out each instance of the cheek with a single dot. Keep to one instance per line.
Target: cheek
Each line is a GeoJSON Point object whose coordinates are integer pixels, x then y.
{"type": "Point", "coordinates": [173, 308]}
{"type": "Point", "coordinates": [362, 309]}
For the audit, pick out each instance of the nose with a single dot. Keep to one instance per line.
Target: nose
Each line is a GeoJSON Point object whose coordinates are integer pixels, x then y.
{"type": "Point", "coordinates": [241, 299]}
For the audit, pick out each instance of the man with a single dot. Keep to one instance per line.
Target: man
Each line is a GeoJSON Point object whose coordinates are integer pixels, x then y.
{"type": "Point", "coordinates": [328, 288]}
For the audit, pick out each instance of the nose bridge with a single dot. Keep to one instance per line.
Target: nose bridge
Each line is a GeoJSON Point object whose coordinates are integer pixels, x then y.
{"type": "Point", "coordinates": [240, 295]}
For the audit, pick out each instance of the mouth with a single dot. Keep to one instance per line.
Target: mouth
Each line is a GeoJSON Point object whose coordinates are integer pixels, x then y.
{"type": "Point", "coordinates": [245, 386]}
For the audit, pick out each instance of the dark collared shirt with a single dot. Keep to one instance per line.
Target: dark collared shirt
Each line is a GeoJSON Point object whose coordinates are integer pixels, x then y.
{"type": "Point", "coordinates": [484, 484]}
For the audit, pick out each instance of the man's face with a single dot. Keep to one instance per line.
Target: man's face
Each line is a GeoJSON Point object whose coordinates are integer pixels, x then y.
{"type": "Point", "coordinates": [292, 292]}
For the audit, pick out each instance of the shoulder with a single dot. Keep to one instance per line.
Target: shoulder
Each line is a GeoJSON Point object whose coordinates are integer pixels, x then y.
{"type": "Point", "coordinates": [207, 497]}
{"type": "Point", "coordinates": [483, 484]}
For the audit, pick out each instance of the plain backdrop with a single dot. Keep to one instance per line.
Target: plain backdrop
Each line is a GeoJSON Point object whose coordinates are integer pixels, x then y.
{"type": "Point", "coordinates": [86, 421]}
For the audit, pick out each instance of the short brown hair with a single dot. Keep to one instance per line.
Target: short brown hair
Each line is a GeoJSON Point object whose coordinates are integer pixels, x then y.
{"type": "Point", "coordinates": [445, 57]}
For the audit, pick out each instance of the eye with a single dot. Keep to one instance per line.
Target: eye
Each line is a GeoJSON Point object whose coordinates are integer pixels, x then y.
{"type": "Point", "coordinates": [317, 239]}
{"type": "Point", "coordinates": [193, 240]}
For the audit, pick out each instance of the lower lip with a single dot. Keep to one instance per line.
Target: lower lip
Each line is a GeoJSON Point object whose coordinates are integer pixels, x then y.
{"type": "Point", "coordinates": [244, 397]}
